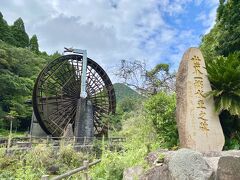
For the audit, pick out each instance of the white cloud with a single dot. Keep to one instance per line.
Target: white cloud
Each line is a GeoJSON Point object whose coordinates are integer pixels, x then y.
{"type": "Point", "coordinates": [110, 30]}
{"type": "Point", "coordinates": [208, 18]}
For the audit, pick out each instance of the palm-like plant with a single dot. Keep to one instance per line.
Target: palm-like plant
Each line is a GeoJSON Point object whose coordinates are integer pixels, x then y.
{"type": "Point", "coordinates": [224, 75]}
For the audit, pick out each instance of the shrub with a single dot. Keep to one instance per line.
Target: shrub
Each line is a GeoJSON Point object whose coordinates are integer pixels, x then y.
{"type": "Point", "coordinates": [224, 75]}
{"type": "Point", "coordinates": [141, 138]}
{"type": "Point", "coordinates": [111, 167]}
{"type": "Point", "coordinates": [69, 157]}
{"type": "Point", "coordinates": [160, 109]}
{"type": "Point", "coordinates": [39, 157]}
{"type": "Point", "coordinates": [6, 161]}
{"type": "Point", "coordinates": [27, 173]}
{"type": "Point", "coordinates": [34, 163]}
{"type": "Point", "coordinates": [114, 163]}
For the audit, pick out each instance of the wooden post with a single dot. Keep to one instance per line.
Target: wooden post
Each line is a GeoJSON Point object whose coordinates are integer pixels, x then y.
{"type": "Point", "coordinates": [85, 172]}
{"type": "Point", "coordinates": [10, 136]}
{"type": "Point", "coordinates": [84, 140]}
{"type": "Point", "coordinates": [30, 139]}
{"type": "Point", "coordinates": [45, 177]}
{"type": "Point", "coordinates": [11, 127]}
{"type": "Point", "coordinates": [74, 140]}
{"type": "Point", "coordinates": [47, 140]}
{"type": "Point", "coordinates": [9, 141]}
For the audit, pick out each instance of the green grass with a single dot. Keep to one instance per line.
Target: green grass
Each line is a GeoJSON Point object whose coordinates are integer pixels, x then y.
{"type": "Point", "coordinates": [5, 133]}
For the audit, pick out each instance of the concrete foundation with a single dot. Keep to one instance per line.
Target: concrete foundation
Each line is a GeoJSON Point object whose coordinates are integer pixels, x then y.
{"type": "Point", "coordinates": [36, 129]}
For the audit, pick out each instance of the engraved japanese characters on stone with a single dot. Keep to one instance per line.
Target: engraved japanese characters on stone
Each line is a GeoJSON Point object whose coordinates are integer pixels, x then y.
{"type": "Point", "coordinates": [198, 123]}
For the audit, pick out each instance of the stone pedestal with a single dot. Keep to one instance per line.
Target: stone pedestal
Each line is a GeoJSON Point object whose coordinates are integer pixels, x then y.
{"type": "Point", "coordinates": [198, 123]}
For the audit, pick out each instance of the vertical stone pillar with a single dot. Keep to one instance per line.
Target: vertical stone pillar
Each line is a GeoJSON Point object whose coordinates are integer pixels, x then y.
{"type": "Point", "coordinates": [198, 123]}
{"type": "Point", "coordinates": [89, 120]}
{"type": "Point", "coordinates": [83, 120]}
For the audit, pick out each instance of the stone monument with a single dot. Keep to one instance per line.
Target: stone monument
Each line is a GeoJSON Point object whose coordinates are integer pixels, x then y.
{"type": "Point", "coordinates": [198, 124]}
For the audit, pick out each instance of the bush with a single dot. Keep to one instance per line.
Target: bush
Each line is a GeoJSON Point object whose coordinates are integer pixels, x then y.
{"type": "Point", "coordinates": [141, 139]}
{"type": "Point", "coordinates": [27, 173]}
{"type": "Point", "coordinates": [69, 157]}
{"type": "Point", "coordinates": [39, 157]}
{"type": "Point", "coordinates": [231, 129]}
{"type": "Point", "coordinates": [114, 163]}
{"type": "Point", "coordinates": [6, 161]}
{"type": "Point", "coordinates": [34, 163]}
{"type": "Point", "coordinates": [160, 109]}
{"type": "Point", "coordinates": [224, 75]}
{"type": "Point", "coordinates": [111, 167]}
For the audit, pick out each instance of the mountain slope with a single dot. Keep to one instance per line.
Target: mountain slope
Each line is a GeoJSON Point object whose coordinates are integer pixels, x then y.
{"type": "Point", "coordinates": [122, 92]}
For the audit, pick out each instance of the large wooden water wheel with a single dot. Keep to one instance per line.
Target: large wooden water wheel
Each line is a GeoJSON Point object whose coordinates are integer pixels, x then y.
{"type": "Point", "coordinates": [57, 90]}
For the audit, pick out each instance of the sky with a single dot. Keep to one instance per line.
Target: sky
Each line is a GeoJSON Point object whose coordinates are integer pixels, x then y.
{"type": "Point", "coordinates": [153, 31]}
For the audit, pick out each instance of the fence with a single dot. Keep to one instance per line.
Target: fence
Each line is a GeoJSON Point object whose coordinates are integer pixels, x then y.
{"type": "Point", "coordinates": [26, 143]}
{"type": "Point", "coordinates": [85, 167]}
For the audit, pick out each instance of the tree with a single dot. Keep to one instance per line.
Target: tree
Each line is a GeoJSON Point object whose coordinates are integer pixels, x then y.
{"type": "Point", "coordinates": [5, 33]}
{"type": "Point", "coordinates": [19, 34]}
{"type": "Point", "coordinates": [3, 27]}
{"type": "Point", "coordinates": [147, 82]}
{"type": "Point", "coordinates": [160, 79]}
{"type": "Point", "coordinates": [11, 116]}
{"type": "Point", "coordinates": [228, 16]}
{"type": "Point", "coordinates": [220, 9]}
{"type": "Point", "coordinates": [218, 47]}
{"type": "Point", "coordinates": [224, 38]}
{"type": "Point", "coordinates": [18, 70]}
{"type": "Point", "coordinates": [224, 76]}
{"type": "Point", "coordinates": [209, 44]}
{"type": "Point", "coordinates": [33, 45]}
